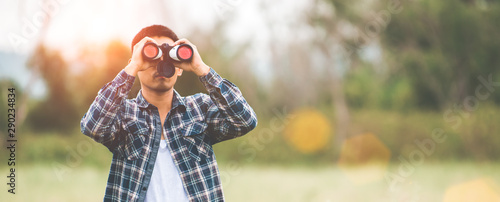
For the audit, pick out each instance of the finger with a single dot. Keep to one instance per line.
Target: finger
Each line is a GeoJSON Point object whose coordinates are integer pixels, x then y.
{"type": "Point", "coordinates": [181, 41]}
{"type": "Point", "coordinates": [148, 39]}
{"type": "Point", "coordinates": [143, 41]}
{"type": "Point", "coordinates": [176, 63]}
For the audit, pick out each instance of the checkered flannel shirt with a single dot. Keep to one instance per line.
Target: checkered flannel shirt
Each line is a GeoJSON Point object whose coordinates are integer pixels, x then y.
{"type": "Point", "coordinates": [131, 130]}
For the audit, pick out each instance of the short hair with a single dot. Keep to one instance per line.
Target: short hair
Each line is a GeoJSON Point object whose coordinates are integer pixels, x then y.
{"type": "Point", "coordinates": [152, 31]}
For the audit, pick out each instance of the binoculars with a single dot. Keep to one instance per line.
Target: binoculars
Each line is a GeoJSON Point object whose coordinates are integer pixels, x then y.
{"type": "Point", "coordinates": [180, 53]}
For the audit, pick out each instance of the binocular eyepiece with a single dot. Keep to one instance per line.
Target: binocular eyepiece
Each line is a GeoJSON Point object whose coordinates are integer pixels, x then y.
{"type": "Point", "coordinates": [180, 53]}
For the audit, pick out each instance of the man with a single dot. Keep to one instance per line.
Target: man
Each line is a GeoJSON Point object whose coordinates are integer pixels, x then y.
{"type": "Point", "coordinates": [162, 142]}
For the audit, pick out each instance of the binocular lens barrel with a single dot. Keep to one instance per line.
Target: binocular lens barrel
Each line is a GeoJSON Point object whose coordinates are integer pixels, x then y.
{"type": "Point", "coordinates": [180, 53]}
{"type": "Point", "coordinates": [151, 51]}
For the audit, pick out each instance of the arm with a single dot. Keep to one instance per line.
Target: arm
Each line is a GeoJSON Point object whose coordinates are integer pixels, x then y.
{"type": "Point", "coordinates": [101, 120]}
{"type": "Point", "coordinates": [229, 115]}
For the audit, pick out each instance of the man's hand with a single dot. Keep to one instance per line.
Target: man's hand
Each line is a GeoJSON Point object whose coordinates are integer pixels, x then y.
{"type": "Point", "coordinates": [196, 65]}
{"type": "Point", "coordinates": [136, 63]}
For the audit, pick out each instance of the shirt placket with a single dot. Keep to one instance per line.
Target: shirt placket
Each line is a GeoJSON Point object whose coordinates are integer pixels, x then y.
{"type": "Point", "coordinates": [155, 146]}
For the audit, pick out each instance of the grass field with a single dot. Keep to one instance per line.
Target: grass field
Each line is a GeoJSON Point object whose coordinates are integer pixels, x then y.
{"type": "Point", "coordinates": [428, 182]}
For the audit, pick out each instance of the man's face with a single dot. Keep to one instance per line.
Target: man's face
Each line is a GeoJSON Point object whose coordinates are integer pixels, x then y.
{"type": "Point", "coordinates": [150, 80]}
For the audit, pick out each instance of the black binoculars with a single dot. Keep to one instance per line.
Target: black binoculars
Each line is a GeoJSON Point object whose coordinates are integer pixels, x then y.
{"type": "Point", "coordinates": [180, 53]}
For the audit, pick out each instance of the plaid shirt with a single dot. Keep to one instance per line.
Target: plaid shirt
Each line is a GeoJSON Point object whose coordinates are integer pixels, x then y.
{"type": "Point", "coordinates": [131, 130]}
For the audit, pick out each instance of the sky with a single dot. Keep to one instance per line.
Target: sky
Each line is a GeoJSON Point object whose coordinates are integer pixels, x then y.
{"type": "Point", "coordinates": [77, 23]}
{"type": "Point", "coordinates": [97, 21]}
{"type": "Point", "coordinates": [74, 23]}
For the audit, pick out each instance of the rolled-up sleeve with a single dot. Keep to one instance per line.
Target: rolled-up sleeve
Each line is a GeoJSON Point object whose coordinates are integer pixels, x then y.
{"type": "Point", "coordinates": [229, 114]}
{"type": "Point", "coordinates": [100, 122]}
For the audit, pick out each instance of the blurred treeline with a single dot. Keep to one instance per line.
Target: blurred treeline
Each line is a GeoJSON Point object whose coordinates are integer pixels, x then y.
{"type": "Point", "coordinates": [397, 76]}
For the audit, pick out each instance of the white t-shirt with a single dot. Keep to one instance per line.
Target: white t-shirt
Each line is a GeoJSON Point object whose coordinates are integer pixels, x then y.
{"type": "Point", "coordinates": [165, 184]}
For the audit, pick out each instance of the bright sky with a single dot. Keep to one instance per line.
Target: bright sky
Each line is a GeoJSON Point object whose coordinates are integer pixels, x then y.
{"type": "Point", "coordinates": [97, 21]}
{"type": "Point", "coordinates": [82, 22]}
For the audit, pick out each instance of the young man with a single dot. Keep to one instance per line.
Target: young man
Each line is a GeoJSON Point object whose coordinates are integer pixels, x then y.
{"type": "Point", "coordinates": [162, 142]}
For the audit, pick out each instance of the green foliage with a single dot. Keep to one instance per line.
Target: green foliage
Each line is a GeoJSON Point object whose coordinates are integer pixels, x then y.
{"type": "Point", "coordinates": [473, 139]}
{"type": "Point", "coordinates": [363, 90]}
{"type": "Point", "coordinates": [360, 89]}
{"type": "Point", "coordinates": [442, 47]}
{"type": "Point", "coordinates": [57, 111]}
{"type": "Point", "coordinates": [397, 94]}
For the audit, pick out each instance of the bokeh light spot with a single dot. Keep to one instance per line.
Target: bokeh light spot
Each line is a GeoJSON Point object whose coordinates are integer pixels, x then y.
{"type": "Point", "coordinates": [364, 158]}
{"type": "Point", "coordinates": [309, 131]}
{"type": "Point", "coordinates": [479, 190]}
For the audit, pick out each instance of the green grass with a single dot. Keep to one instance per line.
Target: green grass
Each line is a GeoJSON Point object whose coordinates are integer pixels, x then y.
{"type": "Point", "coordinates": [429, 182]}
{"type": "Point", "coordinates": [40, 183]}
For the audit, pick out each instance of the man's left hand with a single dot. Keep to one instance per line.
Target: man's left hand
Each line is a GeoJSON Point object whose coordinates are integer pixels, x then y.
{"type": "Point", "coordinates": [196, 65]}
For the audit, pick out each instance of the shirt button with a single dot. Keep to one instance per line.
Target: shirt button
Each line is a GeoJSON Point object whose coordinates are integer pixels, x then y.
{"type": "Point", "coordinates": [144, 188]}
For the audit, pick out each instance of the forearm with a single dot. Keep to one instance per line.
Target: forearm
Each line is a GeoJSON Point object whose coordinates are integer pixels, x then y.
{"type": "Point", "coordinates": [233, 117]}
{"type": "Point", "coordinates": [99, 122]}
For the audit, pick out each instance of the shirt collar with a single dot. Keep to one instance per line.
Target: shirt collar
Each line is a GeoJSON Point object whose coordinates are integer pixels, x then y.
{"type": "Point", "coordinates": [177, 101]}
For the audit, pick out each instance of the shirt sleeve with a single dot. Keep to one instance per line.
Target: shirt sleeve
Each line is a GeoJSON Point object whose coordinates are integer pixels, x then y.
{"type": "Point", "coordinates": [101, 120]}
{"type": "Point", "coordinates": [229, 115]}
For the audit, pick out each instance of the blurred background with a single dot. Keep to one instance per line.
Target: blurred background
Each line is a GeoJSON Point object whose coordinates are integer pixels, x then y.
{"type": "Point", "coordinates": [359, 100]}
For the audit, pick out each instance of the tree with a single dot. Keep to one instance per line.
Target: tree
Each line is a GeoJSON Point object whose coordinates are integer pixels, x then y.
{"type": "Point", "coordinates": [57, 111]}
{"type": "Point", "coordinates": [444, 49]}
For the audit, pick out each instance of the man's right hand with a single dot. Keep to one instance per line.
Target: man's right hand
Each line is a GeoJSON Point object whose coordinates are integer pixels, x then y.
{"type": "Point", "coordinates": [136, 63]}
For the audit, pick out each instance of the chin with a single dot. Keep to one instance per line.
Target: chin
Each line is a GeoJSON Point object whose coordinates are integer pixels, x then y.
{"type": "Point", "coordinates": [162, 88]}
{"type": "Point", "coordinates": [159, 87]}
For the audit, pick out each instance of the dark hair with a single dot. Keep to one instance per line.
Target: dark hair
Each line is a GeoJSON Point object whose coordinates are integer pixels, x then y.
{"type": "Point", "coordinates": [152, 31]}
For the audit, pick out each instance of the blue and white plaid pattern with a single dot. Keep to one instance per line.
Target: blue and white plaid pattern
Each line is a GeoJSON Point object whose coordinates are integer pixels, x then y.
{"type": "Point", "coordinates": [131, 130]}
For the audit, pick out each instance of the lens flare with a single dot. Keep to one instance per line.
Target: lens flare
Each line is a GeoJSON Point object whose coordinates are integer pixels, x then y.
{"type": "Point", "coordinates": [309, 131]}
{"type": "Point", "coordinates": [364, 158]}
{"type": "Point", "coordinates": [482, 189]}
